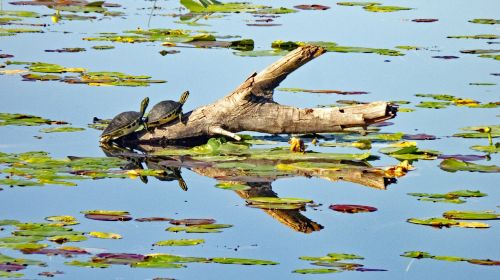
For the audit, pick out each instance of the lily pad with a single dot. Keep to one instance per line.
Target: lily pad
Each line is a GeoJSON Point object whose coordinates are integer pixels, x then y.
{"type": "Point", "coordinates": [362, 4]}
{"type": "Point", "coordinates": [179, 242]}
{"type": "Point", "coordinates": [485, 21]}
{"type": "Point", "coordinates": [312, 7]}
{"type": "Point", "coordinates": [153, 219]}
{"type": "Point", "coordinates": [443, 222]}
{"type": "Point", "coordinates": [243, 261]}
{"type": "Point", "coordinates": [479, 36]}
{"type": "Point", "coordinates": [193, 222]}
{"type": "Point", "coordinates": [87, 264]}
{"type": "Point", "coordinates": [108, 218]}
{"type": "Point", "coordinates": [487, 149]}
{"type": "Point", "coordinates": [351, 208]}
{"type": "Point", "coordinates": [210, 228]}
{"type": "Point", "coordinates": [61, 129]}
{"type": "Point", "coordinates": [385, 9]}
{"type": "Point", "coordinates": [105, 235]}
{"type": "Point", "coordinates": [315, 271]}
{"type": "Point", "coordinates": [60, 239]}
{"type": "Point", "coordinates": [454, 165]}
{"type": "Point", "coordinates": [25, 120]}
{"type": "Point", "coordinates": [471, 215]}
{"type": "Point", "coordinates": [232, 186]}
{"type": "Point", "coordinates": [450, 197]}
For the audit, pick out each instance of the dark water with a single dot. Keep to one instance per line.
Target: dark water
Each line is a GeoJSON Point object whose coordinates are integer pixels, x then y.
{"type": "Point", "coordinates": [380, 237]}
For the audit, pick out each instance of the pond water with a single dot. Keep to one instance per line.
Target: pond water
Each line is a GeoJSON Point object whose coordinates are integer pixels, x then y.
{"type": "Point", "coordinates": [381, 237]}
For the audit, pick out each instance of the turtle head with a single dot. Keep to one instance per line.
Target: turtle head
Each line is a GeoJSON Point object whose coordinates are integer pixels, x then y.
{"type": "Point", "coordinates": [184, 97]}
{"type": "Point", "coordinates": [144, 105]}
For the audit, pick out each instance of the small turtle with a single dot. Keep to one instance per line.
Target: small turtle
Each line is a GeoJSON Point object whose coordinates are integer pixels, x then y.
{"type": "Point", "coordinates": [124, 123]}
{"type": "Point", "coordinates": [165, 112]}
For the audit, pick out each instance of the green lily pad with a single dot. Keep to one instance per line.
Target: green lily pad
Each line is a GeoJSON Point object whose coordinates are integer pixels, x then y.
{"type": "Point", "coordinates": [316, 271]}
{"type": "Point", "coordinates": [179, 242]}
{"type": "Point", "coordinates": [103, 47]}
{"type": "Point", "coordinates": [274, 52]}
{"type": "Point", "coordinates": [485, 21]}
{"type": "Point", "coordinates": [243, 261]}
{"type": "Point", "coordinates": [25, 14]}
{"type": "Point", "coordinates": [61, 129]}
{"type": "Point", "coordinates": [487, 149]}
{"type": "Point", "coordinates": [480, 36]}
{"type": "Point", "coordinates": [60, 239]}
{"type": "Point", "coordinates": [454, 165]}
{"type": "Point", "coordinates": [450, 197]}
{"type": "Point", "coordinates": [362, 4]}
{"type": "Point", "coordinates": [21, 261]}
{"type": "Point", "coordinates": [4, 274]}
{"type": "Point", "coordinates": [443, 222]}
{"type": "Point", "coordinates": [65, 220]}
{"type": "Point", "coordinates": [433, 104]}
{"type": "Point", "coordinates": [40, 77]}
{"type": "Point", "coordinates": [21, 239]}
{"type": "Point", "coordinates": [105, 212]}
{"type": "Point", "coordinates": [385, 9]}
{"type": "Point", "coordinates": [448, 258]}
{"type": "Point", "coordinates": [9, 222]}
{"type": "Point", "coordinates": [25, 120]}
{"type": "Point", "coordinates": [23, 246]}
{"type": "Point", "coordinates": [87, 264]}
{"type": "Point", "coordinates": [416, 255]}
{"type": "Point", "coordinates": [471, 215]}
{"type": "Point", "coordinates": [157, 265]}
{"type": "Point", "coordinates": [495, 57]}
{"type": "Point", "coordinates": [232, 186]}
{"type": "Point", "coordinates": [210, 228]}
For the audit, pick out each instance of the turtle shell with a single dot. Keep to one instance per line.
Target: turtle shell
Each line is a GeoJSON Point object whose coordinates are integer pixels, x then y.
{"type": "Point", "coordinates": [123, 124]}
{"type": "Point", "coordinates": [167, 109]}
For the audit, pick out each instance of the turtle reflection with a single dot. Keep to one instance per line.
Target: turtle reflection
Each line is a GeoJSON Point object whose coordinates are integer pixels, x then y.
{"type": "Point", "coordinates": [135, 161]}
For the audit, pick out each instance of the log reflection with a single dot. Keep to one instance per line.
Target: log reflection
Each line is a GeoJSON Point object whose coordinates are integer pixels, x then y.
{"type": "Point", "coordinates": [258, 174]}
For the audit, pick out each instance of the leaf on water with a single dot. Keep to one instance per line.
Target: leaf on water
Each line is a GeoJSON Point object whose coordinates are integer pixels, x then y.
{"type": "Point", "coordinates": [108, 218]}
{"type": "Point", "coordinates": [433, 104]}
{"type": "Point", "coordinates": [4, 259]}
{"type": "Point", "coordinates": [105, 212]}
{"type": "Point", "coordinates": [446, 57]}
{"type": "Point", "coordinates": [463, 157]}
{"type": "Point", "coordinates": [65, 220]}
{"type": "Point", "coordinates": [440, 223]}
{"type": "Point", "coordinates": [61, 129]}
{"type": "Point", "coordinates": [24, 247]}
{"type": "Point", "coordinates": [312, 7]}
{"type": "Point", "coordinates": [67, 50]}
{"type": "Point", "coordinates": [426, 20]}
{"type": "Point", "coordinates": [60, 239]}
{"type": "Point", "coordinates": [20, 239]}
{"type": "Point", "coordinates": [351, 208]}
{"type": "Point", "coordinates": [193, 222]}
{"type": "Point", "coordinates": [105, 235]}
{"type": "Point", "coordinates": [25, 120]}
{"type": "Point", "coordinates": [471, 215]}
{"type": "Point", "coordinates": [210, 228]}
{"type": "Point", "coordinates": [487, 149]}
{"type": "Point", "coordinates": [118, 258]}
{"type": "Point", "coordinates": [450, 197]}
{"type": "Point", "coordinates": [485, 21]}
{"type": "Point", "coordinates": [362, 4]}
{"type": "Point", "coordinates": [454, 165]}
{"type": "Point", "coordinates": [103, 47]}
{"type": "Point", "coordinates": [25, 14]}
{"type": "Point", "coordinates": [408, 151]}
{"type": "Point", "coordinates": [87, 264]}
{"type": "Point", "coordinates": [315, 271]}
{"type": "Point", "coordinates": [66, 251]}
{"type": "Point", "coordinates": [325, 91]}
{"type": "Point", "coordinates": [179, 242]}
{"type": "Point", "coordinates": [384, 9]}
{"type": "Point", "coordinates": [9, 222]}
{"type": "Point", "coordinates": [425, 255]}
{"type": "Point", "coordinates": [11, 275]}
{"type": "Point", "coordinates": [480, 36]}
{"type": "Point", "coordinates": [243, 261]}
{"type": "Point", "coordinates": [232, 186]}
{"type": "Point", "coordinates": [361, 144]}
{"type": "Point", "coordinates": [420, 136]}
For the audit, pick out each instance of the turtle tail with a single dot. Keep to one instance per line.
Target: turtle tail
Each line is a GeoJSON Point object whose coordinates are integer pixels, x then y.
{"type": "Point", "coordinates": [184, 97]}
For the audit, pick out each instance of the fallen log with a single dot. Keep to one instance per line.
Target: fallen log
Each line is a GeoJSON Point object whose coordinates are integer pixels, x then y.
{"type": "Point", "coordinates": [250, 107]}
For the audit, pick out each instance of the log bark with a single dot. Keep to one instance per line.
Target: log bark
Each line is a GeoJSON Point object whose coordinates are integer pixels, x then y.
{"type": "Point", "coordinates": [251, 107]}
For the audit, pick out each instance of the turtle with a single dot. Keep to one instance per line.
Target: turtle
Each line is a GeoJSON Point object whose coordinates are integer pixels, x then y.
{"type": "Point", "coordinates": [165, 112]}
{"type": "Point", "coordinates": [124, 123]}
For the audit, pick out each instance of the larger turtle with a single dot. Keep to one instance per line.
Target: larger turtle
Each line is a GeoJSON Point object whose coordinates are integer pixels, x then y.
{"type": "Point", "coordinates": [124, 123]}
{"type": "Point", "coordinates": [165, 112]}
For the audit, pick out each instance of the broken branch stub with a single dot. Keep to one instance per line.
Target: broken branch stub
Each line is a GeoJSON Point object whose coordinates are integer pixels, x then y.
{"type": "Point", "coordinates": [250, 107]}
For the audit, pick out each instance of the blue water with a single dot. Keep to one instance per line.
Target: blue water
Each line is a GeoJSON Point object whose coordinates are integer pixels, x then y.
{"type": "Point", "coordinates": [209, 74]}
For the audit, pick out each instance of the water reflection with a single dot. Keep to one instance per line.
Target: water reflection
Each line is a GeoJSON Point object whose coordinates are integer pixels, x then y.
{"type": "Point", "coordinates": [258, 176]}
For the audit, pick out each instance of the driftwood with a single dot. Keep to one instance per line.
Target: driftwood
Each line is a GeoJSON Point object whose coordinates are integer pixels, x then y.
{"type": "Point", "coordinates": [250, 107]}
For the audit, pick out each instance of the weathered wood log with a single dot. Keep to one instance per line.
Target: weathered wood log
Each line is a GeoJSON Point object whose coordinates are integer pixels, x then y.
{"type": "Point", "coordinates": [251, 107]}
